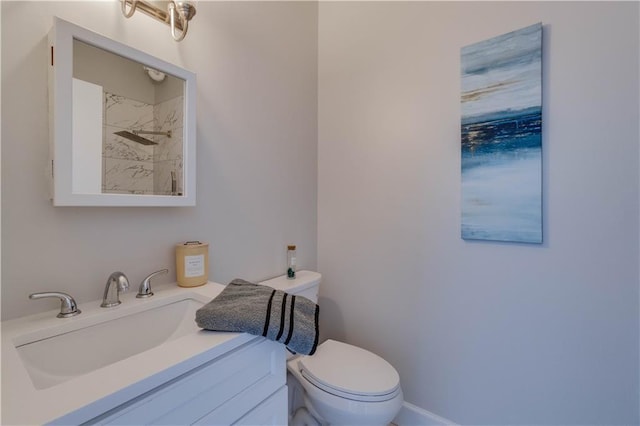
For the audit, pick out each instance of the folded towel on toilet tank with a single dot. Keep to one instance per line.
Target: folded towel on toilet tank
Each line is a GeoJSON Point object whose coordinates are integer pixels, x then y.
{"type": "Point", "coordinates": [263, 311]}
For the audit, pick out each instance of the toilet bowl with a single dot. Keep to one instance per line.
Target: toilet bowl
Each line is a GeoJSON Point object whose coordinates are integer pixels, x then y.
{"type": "Point", "coordinates": [340, 384]}
{"type": "Point", "coordinates": [345, 385]}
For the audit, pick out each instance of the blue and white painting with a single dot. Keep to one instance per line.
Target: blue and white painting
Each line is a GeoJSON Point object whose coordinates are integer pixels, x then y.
{"type": "Point", "coordinates": [502, 137]}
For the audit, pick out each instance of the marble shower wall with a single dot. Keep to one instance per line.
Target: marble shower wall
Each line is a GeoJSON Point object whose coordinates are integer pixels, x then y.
{"type": "Point", "coordinates": [127, 165]}
{"type": "Point", "coordinates": [167, 156]}
{"type": "Point", "coordinates": [130, 167]}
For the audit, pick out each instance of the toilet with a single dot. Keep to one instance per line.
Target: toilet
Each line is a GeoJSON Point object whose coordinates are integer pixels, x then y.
{"type": "Point", "coordinates": [340, 384]}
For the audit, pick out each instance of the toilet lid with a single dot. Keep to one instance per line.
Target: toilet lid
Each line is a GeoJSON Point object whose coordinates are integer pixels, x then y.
{"type": "Point", "coordinates": [350, 372]}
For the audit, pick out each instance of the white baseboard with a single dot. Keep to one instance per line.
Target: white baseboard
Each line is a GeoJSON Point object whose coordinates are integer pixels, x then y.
{"type": "Point", "coordinates": [411, 415]}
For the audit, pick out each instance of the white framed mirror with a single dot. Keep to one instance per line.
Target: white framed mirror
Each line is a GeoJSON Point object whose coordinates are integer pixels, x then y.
{"type": "Point", "coordinates": [122, 124]}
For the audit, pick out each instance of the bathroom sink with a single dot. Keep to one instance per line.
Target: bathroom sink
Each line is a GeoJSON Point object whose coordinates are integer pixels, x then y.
{"type": "Point", "coordinates": [87, 344]}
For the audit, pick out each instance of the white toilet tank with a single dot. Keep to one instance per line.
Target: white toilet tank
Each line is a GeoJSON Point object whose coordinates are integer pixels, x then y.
{"type": "Point", "coordinates": [306, 284]}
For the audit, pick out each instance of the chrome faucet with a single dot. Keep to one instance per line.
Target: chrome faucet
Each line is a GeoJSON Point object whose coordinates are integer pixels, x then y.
{"type": "Point", "coordinates": [68, 306]}
{"type": "Point", "coordinates": [145, 286]}
{"type": "Point", "coordinates": [117, 282]}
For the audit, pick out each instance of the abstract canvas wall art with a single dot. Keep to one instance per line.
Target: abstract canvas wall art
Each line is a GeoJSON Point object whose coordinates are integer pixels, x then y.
{"type": "Point", "coordinates": [501, 132]}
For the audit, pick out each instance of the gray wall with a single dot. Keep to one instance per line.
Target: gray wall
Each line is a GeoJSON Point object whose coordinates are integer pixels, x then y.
{"type": "Point", "coordinates": [482, 332]}
{"type": "Point", "coordinates": [256, 65]}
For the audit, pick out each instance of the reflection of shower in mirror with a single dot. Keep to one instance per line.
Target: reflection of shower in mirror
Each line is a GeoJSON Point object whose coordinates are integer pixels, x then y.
{"type": "Point", "coordinates": [143, 143]}
{"type": "Point", "coordinates": [155, 75]}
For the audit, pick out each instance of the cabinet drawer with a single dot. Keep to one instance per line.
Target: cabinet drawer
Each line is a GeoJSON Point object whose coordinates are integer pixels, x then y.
{"type": "Point", "coordinates": [272, 412]}
{"type": "Point", "coordinates": [240, 405]}
{"type": "Point", "coordinates": [193, 395]}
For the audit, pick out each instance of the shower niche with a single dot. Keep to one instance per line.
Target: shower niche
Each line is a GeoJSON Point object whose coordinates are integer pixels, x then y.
{"type": "Point", "coordinates": [122, 124]}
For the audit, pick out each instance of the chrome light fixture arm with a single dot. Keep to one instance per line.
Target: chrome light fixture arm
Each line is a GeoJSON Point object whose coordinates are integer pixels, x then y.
{"type": "Point", "coordinates": [172, 24]}
{"type": "Point", "coordinates": [132, 8]}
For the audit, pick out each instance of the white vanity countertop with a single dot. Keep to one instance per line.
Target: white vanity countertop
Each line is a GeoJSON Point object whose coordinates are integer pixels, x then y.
{"type": "Point", "coordinates": [79, 399]}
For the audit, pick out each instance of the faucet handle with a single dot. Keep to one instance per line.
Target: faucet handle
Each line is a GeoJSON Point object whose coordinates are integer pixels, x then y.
{"type": "Point", "coordinates": [145, 286]}
{"type": "Point", "coordinates": [68, 306]}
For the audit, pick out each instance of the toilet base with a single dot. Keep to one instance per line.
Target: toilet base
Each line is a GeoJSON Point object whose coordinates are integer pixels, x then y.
{"type": "Point", "coordinates": [302, 417]}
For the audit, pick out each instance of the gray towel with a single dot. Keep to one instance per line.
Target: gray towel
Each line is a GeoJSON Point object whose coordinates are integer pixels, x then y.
{"type": "Point", "coordinates": [261, 310]}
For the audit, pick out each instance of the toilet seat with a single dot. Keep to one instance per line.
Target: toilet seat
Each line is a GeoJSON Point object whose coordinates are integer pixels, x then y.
{"type": "Point", "coordinates": [350, 372]}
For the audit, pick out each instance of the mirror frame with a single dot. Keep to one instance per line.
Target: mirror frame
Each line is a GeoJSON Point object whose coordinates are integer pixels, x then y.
{"type": "Point", "coordinates": [60, 67]}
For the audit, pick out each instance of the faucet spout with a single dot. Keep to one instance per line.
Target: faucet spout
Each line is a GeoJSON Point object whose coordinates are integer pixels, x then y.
{"type": "Point", "coordinates": [116, 283]}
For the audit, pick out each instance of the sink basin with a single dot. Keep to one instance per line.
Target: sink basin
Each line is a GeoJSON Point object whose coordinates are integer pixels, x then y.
{"type": "Point", "coordinates": [88, 344]}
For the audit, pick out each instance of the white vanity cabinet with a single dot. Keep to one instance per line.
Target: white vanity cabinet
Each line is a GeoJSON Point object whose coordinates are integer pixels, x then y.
{"type": "Point", "coordinates": [246, 386]}
{"type": "Point", "coordinates": [157, 366]}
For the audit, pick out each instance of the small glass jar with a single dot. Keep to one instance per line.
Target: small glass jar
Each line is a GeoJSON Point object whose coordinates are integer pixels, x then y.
{"type": "Point", "coordinates": [291, 262]}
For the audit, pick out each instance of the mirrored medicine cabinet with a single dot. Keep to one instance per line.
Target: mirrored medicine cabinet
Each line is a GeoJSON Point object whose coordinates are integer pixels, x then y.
{"type": "Point", "coordinates": [122, 124]}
